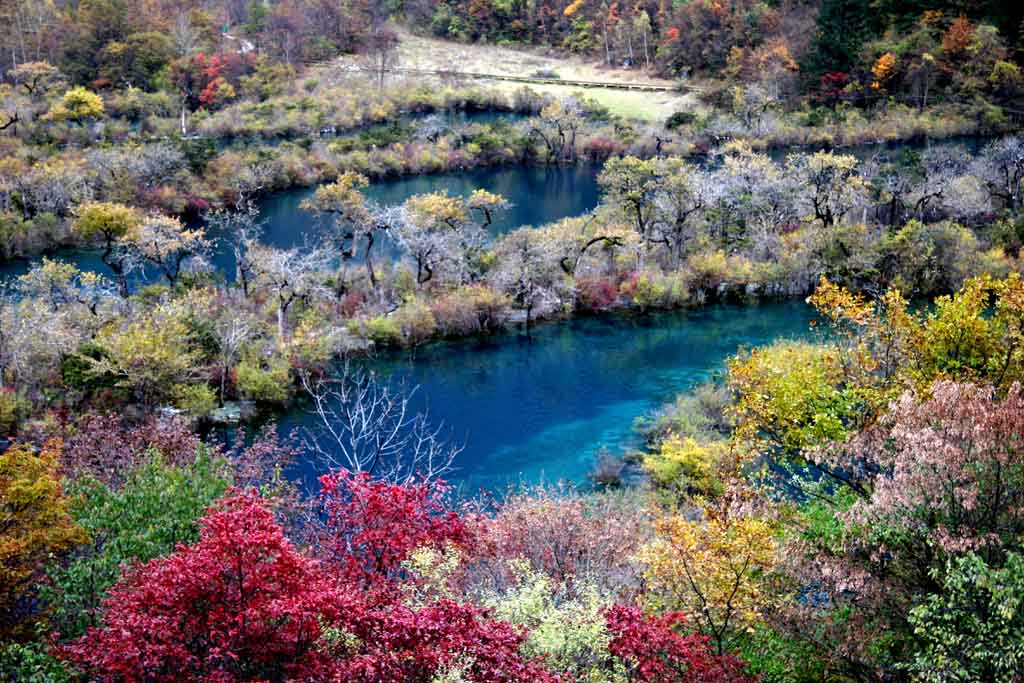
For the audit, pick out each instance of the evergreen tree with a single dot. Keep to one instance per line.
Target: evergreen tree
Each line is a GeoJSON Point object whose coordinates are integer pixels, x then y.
{"type": "Point", "coordinates": [843, 26]}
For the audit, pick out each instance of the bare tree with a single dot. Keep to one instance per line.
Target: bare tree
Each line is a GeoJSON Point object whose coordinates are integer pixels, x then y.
{"type": "Point", "coordinates": [558, 126]}
{"type": "Point", "coordinates": [165, 242]}
{"type": "Point", "coordinates": [184, 36]}
{"type": "Point", "coordinates": [1001, 166]}
{"type": "Point", "coordinates": [682, 195]}
{"type": "Point", "coordinates": [232, 331]}
{"type": "Point", "coordinates": [290, 275]}
{"type": "Point", "coordinates": [242, 228]}
{"type": "Point", "coordinates": [254, 179]}
{"type": "Point", "coordinates": [528, 271]}
{"type": "Point", "coordinates": [368, 425]}
{"type": "Point", "coordinates": [380, 53]}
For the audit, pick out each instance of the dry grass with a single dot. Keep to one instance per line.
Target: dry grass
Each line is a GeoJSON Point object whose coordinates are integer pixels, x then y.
{"type": "Point", "coordinates": [417, 52]}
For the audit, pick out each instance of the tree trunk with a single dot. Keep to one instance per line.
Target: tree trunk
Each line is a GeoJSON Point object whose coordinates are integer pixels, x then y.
{"type": "Point", "coordinates": [223, 380]}
{"type": "Point", "coordinates": [281, 310]}
{"type": "Point", "coordinates": [369, 260]}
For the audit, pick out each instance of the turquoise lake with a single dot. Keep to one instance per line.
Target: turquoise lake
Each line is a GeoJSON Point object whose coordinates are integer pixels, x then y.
{"type": "Point", "coordinates": [540, 409]}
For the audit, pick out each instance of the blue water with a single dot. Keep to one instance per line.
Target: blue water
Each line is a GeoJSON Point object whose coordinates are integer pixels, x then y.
{"type": "Point", "coordinates": [539, 410]}
{"type": "Point", "coordinates": [538, 195]}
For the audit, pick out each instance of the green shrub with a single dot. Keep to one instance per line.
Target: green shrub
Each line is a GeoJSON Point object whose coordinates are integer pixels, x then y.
{"type": "Point", "coordinates": [382, 330]}
{"type": "Point", "coordinates": [268, 381]}
{"type": "Point", "coordinates": [77, 369]}
{"type": "Point", "coordinates": [197, 399]}
{"type": "Point", "coordinates": [776, 658]}
{"type": "Point", "coordinates": [680, 118]}
{"type": "Point", "coordinates": [156, 509]}
{"type": "Point", "coordinates": [659, 290]}
{"type": "Point", "coordinates": [14, 408]}
{"type": "Point", "coordinates": [32, 663]}
{"type": "Point", "coordinates": [415, 322]}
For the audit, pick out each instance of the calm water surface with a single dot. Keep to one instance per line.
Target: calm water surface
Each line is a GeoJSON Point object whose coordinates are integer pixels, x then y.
{"type": "Point", "coordinates": [538, 194]}
{"type": "Point", "coordinates": [540, 410]}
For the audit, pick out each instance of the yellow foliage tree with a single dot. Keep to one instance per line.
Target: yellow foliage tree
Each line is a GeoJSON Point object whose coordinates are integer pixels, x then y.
{"type": "Point", "coordinates": [573, 7]}
{"type": "Point", "coordinates": [152, 356]}
{"type": "Point", "coordinates": [35, 526]}
{"type": "Point", "coordinates": [714, 568]}
{"type": "Point", "coordinates": [688, 465]}
{"type": "Point", "coordinates": [77, 105]}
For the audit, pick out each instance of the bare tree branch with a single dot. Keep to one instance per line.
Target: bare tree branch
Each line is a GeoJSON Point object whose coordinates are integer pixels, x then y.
{"type": "Point", "coordinates": [366, 425]}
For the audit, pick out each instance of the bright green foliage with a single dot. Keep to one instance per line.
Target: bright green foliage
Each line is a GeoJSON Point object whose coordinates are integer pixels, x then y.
{"type": "Point", "coordinates": [792, 395]}
{"type": "Point", "coordinates": [974, 629]}
{"type": "Point", "coordinates": [32, 663]}
{"type": "Point", "coordinates": [153, 512]}
{"type": "Point", "coordinates": [775, 657]}
{"type": "Point", "coordinates": [571, 635]}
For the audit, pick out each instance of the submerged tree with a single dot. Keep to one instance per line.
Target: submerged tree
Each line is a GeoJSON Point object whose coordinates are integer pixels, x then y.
{"type": "Point", "coordinates": [167, 244]}
{"type": "Point", "coordinates": [370, 426]}
{"type": "Point", "coordinates": [290, 275]}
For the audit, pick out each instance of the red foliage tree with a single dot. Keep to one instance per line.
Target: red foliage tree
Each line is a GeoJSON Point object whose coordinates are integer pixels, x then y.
{"type": "Point", "coordinates": [373, 525]}
{"type": "Point", "coordinates": [831, 88]}
{"type": "Point", "coordinates": [243, 605]}
{"type": "Point", "coordinates": [240, 605]}
{"type": "Point", "coordinates": [401, 645]}
{"type": "Point", "coordinates": [655, 652]}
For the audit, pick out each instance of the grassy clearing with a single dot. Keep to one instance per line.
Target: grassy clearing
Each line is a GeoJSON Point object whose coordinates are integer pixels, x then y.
{"type": "Point", "coordinates": [417, 52]}
{"type": "Point", "coordinates": [649, 107]}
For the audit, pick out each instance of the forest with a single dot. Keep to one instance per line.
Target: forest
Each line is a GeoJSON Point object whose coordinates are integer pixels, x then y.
{"type": "Point", "coordinates": [339, 341]}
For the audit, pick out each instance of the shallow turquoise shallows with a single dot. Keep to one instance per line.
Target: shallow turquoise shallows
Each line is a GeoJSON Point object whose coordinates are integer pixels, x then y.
{"type": "Point", "coordinates": [539, 410]}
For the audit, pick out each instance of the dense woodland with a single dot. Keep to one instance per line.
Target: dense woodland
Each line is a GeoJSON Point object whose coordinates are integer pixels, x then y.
{"type": "Point", "coordinates": [845, 508]}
